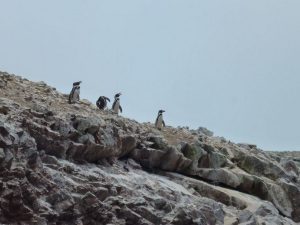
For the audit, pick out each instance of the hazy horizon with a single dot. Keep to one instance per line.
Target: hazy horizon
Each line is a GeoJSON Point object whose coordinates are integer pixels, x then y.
{"type": "Point", "coordinates": [232, 67]}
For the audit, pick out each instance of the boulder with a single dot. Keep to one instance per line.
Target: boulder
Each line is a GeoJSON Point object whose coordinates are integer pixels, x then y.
{"type": "Point", "coordinates": [2, 155]}
{"type": "Point", "coordinates": [290, 167]}
{"type": "Point", "coordinates": [86, 139]}
{"type": "Point", "coordinates": [293, 192]}
{"type": "Point", "coordinates": [5, 139]}
{"type": "Point", "coordinates": [173, 160]}
{"type": "Point", "coordinates": [212, 160]}
{"type": "Point", "coordinates": [95, 152]}
{"type": "Point", "coordinates": [148, 157]}
{"type": "Point", "coordinates": [128, 144]}
{"type": "Point", "coordinates": [193, 152]}
{"type": "Point", "coordinates": [87, 125]}
{"type": "Point", "coordinates": [257, 166]}
{"type": "Point", "coordinates": [158, 142]}
{"type": "Point", "coordinates": [205, 131]}
{"type": "Point", "coordinates": [220, 176]}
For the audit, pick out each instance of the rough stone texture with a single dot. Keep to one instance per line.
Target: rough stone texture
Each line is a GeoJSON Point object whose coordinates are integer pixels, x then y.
{"type": "Point", "coordinates": [75, 164]}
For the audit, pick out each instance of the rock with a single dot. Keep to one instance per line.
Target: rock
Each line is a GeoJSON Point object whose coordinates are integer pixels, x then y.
{"type": "Point", "coordinates": [291, 167]}
{"type": "Point", "coordinates": [293, 192]}
{"type": "Point", "coordinates": [48, 159]}
{"type": "Point", "coordinates": [102, 193]}
{"type": "Point", "coordinates": [280, 199]}
{"type": "Point", "coordinates": [133, 164]}
{"type": "Point", "coordinates": [158, 142]}
{"type": "Point", "coordinates": [247, 146]}
{"type": "Point", "coordinates": [130, 216]}
{"type": "Point", "coordinates": [257, 166]}
{"type": "Point", "coordinates": [193, 152]}
{"type": "Point", "coordinates": [182, 218]}
{"type": "Point", "coordinates": [5, 139]}
{"type": "Point", "coordinates": [221, 176]}
{"type": "Point", "coordinates": [2, 155]}
{"type": "Point", "coordinates": [213, 160]}
{"type": "Point", "coordinates": [95, 152]}
{"type": "Point", "coordinates": [173, 160]}
{"type": "Point", "coordinates": [26, 141]}
{"type": "Point", "coordinates": [99, 168]}
{"type": "Point", "coordinates": [86, 139]}
{"type": "Point", "coordinates": [169, 159]}
{"type": "Point", "coordinates": [205, 131]}
{"type": "Point", "coordinates": [64, 128]}
{"type": "Point", "coordinates": [7, 161]}
{"type": "Point", "coordinates": [89, 199]}
{"type": "Point", "coordinates": [76, 151]}
{"type": "Point", "coordinates": [34, 161]}
{"type": "Point", "coordinates": [148, 157]}
{"type": "Point", "coordinates": [87, 125]}
{"type": "Point", "coordinates": [4, 109]}
{"type": "Point", "coordinates": [149, 215]}
{"type": "Point", "coordinates": [247, 218]}
{"type": "Point", "coordinates": [128, 144]}
{"type": "Point", "coordinates": [58, 197]}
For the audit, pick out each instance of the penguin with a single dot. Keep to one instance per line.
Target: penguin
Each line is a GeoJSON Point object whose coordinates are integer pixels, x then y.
{"type": "Point", "coordinates": [102, 102]}
{"type": "Point", "coordinates": [159, 123]}
{"type": "Point", "coordinates": [116, 105]}
{"type": "Point", "coordinates": [75, 93]}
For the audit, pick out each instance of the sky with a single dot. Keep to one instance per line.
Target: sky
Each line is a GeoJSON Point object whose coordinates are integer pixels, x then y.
{"type": "Point", "coordinates": [231, 66]}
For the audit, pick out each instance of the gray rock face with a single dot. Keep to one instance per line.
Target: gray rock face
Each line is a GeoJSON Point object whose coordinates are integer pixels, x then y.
{"type": "Point", "coordinates": [204, 131]}
{"type": "Point", "coordinates": [73, 164]}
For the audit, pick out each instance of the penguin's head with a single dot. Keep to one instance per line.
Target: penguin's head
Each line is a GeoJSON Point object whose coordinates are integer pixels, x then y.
{"type": "Point", "coordinates": [161, 111]}
{"type": "Point", "coordinates": [77, 83]}
{"type": "Point", "coordinates": [106, 98]}
{"type": "Point", "coordinates": [117, 96]}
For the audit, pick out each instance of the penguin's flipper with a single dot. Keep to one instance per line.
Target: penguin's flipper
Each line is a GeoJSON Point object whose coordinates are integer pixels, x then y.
{"type": "Point", "coordinates": [121, 110]}
{"type": "Point", "coordinates": [163, 122]}
{"type": "Point", "coordinates": [107, 99]}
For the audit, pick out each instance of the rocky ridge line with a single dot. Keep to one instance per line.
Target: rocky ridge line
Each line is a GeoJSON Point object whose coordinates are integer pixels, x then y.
{"type": "Point", "coordinates": [74, 164]}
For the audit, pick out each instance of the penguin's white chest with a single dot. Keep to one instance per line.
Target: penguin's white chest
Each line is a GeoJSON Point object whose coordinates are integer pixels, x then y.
{"type": "Point", "coordinates": [76, 95]}
{"type": "Point", "coordinates": [159, 122]}
{"type": "Point", "coordinates": [116, 107]}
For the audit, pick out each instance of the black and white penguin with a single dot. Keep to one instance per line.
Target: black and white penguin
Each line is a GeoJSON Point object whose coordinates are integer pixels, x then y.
{"type": "Point", "coordinates": [159, 123]}
{"type": "Point", "coordinates": [75, 93]}
{"type": "Point", "coordinates": [102, 102]}
{"type": "Point", "coordinates": [116, 105]}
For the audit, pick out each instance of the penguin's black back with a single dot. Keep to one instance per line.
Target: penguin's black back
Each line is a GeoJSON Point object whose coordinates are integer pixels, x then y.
{"type": "Point", "coordinates": [101, 102]}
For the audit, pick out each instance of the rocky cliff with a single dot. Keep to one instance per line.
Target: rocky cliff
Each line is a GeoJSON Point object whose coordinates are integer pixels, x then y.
{"type": "Point", "coordinates": [74, 164]}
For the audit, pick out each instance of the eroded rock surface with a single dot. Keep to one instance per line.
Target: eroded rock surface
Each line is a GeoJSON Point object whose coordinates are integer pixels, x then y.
{"type": "Point", "coordinates": [75, 164]}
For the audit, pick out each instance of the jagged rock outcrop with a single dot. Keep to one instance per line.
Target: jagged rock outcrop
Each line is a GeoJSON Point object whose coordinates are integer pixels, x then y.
{"type": "Point", "coordinates": [75, 164]}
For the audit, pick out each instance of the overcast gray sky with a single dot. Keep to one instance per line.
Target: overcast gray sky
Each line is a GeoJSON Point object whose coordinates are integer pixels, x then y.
{"type": "Point", "coordinates": [231, 66]}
